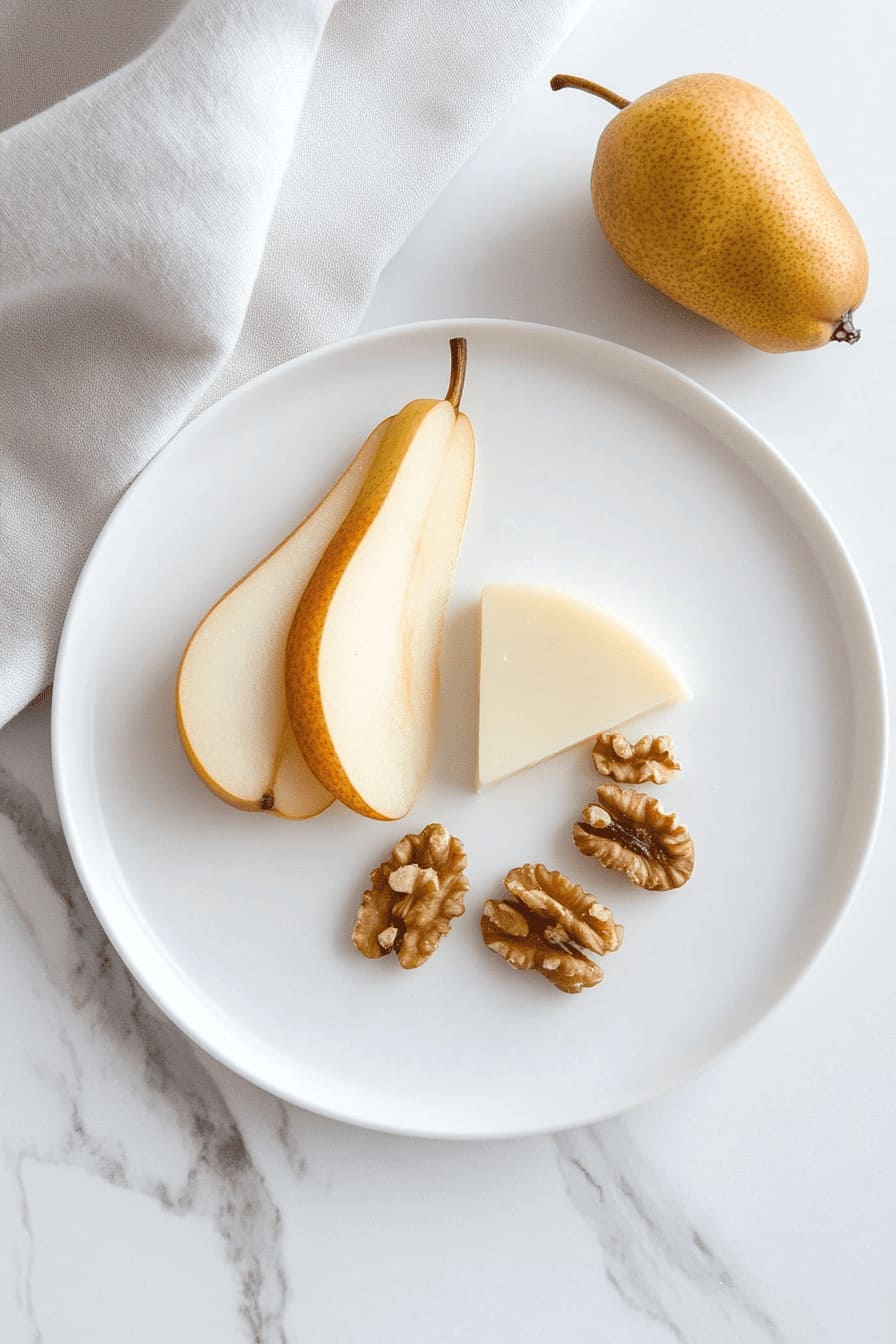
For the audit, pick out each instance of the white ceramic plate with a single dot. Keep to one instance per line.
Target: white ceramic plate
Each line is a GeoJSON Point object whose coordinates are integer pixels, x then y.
{"type": "Point", "coordinates": [602, 473]}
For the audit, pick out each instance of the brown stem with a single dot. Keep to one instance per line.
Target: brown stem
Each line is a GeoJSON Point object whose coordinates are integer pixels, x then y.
{"type": "Point", "coordinates": [268, 799]}
{"type": "Point", "coordinates": [588, 86]}
{"type": "Point", "coordinates": [846, 330]}
{"type": "Point", "coordinates": [458, 371]}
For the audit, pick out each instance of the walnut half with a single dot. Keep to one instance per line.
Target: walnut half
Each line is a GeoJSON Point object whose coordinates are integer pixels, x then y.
{"type": "Point", "coordinates": [547, 924]}
{"type": "Point", "coordinates": [413, 898]}
{"type": "Point", "coordinates": [650, 760]}
{"type": "Point", "coordinates": [630, 833]}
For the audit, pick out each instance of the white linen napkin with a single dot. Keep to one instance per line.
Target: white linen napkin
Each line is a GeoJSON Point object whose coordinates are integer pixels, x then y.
{"type": "Point", "coordinates": [191, 193]}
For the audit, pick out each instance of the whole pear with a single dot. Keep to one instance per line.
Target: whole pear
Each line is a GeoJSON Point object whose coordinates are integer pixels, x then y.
{"type": "Point", "coordinates": [707, 189]}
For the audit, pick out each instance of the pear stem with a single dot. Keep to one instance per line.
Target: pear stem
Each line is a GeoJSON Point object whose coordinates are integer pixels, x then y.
{"type": "Point", "coordinates": [846, 330]}
{"type": "Point", "coordinates": [458, 371]}
{"type": "Point", "coordinates": [588, 86]}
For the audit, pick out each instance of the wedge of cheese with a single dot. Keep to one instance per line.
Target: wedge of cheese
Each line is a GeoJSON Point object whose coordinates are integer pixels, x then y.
{"type": "Point", "coordinates": [553, 672]}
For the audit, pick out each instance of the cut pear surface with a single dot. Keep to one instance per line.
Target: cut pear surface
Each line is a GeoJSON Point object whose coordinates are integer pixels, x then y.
{"type": "Point", "coordinates": [231, 707]}
{"type": "Point", "coordinates": [362, 659]}
{"type": "Point", "coordinates": [555, 671]}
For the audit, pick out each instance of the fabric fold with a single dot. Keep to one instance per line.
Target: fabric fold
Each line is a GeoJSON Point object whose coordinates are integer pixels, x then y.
{"type": "Point", "coordinates": [222, 201]}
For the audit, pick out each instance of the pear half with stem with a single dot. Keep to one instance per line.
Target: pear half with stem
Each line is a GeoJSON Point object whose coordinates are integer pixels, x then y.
{"type": "Point", "coordinates": [362, 658]}
{"type": "Point", "coordinates": [231, 708]}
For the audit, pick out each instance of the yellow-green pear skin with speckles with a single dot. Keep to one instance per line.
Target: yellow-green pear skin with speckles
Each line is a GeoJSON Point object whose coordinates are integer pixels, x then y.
{"type": "Point", "coordinates": [707, 189]}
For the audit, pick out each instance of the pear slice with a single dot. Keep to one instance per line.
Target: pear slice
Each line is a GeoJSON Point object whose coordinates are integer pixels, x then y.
{"type": "Point", "coordinates": [231, 709]}
{"type": "Point", "coordinates": [553, 672]}
{"type": "Point", "coordinates": [362, 659]}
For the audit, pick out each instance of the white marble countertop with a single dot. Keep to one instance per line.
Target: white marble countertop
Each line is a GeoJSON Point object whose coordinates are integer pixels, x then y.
{"type": "Point", "coordinates": [146, 1194]}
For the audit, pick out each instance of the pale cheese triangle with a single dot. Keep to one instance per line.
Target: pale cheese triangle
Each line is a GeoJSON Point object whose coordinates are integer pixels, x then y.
{"type": "Point", "coordinates": [553, 672]}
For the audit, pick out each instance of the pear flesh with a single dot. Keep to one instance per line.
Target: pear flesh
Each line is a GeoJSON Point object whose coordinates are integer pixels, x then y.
{"type": "Point", "coordinates": [362, 658]}
{"type": "Point", "coordinates": [231, 706]}
{"type": "Point", "coordinates": [708, 190]}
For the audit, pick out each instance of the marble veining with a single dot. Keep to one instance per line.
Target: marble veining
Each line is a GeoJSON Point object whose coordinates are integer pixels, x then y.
{"type": "Point", "coordinates": [659, 1263]}
{"type": "Point", "coordinates": [24, 1253]}
{"type": "Point", "coordinates": [125, 1098]}
{"type": "Point", "coordinates": [102, 1014]}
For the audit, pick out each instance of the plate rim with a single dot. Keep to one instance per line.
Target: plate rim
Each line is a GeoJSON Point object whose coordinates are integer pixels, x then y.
{"type": "Point", "coordinates": [659, 373]}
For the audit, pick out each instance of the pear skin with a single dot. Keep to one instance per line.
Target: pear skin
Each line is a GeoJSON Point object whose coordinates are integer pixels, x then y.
{"type": "Point", "coordinates": [362, 656]}
{"type": "Point", "coordinates": [707, 190]}
{"type": "Point", "coordinates": [231, 710]}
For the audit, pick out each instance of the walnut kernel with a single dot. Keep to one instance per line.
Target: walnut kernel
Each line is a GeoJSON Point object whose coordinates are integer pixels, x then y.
{"type": "Point", "coordinates": [547, 924]}
{"type": "Point", "coordinates": [630, 833]}
{"type": "Point", "coordinates": [413, 898]}
{"type": "Point", "coordinates": [650, 760]}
